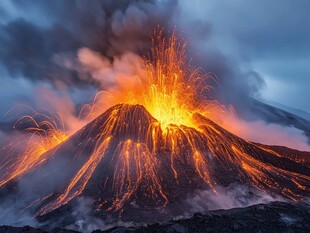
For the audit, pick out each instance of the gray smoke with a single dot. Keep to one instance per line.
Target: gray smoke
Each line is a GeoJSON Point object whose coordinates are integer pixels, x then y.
{"type": "Point", "coordinates": [229, 197]}
{"type": "Point", "coordinates": [29, 44]}
{"type": "Point", "coordinates": [235, 84]}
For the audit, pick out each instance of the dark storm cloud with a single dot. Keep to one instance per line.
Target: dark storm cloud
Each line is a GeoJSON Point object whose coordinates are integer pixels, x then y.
{"type": "Point", "coordinates": [271, 38]}
{"type": "Point", "coordinates": [29, 44]}
{"type": "Point", "coordinates": [27, 49]}
{"type": "Point", "coordinates": [3, 14]}
{"type": "Point", "coordinates": [259, 29]}
{"type": "Point", "coordinates": [234, 84]}
{"type": "Point", "coordinates": [274, 28]}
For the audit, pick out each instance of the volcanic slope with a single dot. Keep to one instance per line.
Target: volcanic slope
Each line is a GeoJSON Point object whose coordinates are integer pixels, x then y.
{"type": "Point", "coordinates": [123, 160]}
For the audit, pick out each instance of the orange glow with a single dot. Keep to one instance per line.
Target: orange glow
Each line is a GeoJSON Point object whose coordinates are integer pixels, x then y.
{"type": "Point", "coordinates": [166, 85]}
{"type": "Point", "coordinates": [44, 135]}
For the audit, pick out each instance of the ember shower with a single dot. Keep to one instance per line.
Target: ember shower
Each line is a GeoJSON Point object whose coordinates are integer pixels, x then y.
{"type": "Point", "coordinates": [153, 135]}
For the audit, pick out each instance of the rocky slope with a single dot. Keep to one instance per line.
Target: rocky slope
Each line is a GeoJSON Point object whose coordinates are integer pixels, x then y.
{"type": "Point", "coordinates": [272, 217]}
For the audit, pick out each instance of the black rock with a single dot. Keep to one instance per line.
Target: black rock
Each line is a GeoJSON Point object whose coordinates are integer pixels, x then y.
{"type": "Point", "coordinates": [272, 217]}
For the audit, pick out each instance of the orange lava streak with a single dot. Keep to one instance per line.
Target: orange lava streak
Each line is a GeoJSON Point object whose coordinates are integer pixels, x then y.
{"type": "Point", "coordinates": [44, 136]}
{"type": "Point", "coordinates": [134, 163]}
{"type": "Point", "coordinates": [79, 182]}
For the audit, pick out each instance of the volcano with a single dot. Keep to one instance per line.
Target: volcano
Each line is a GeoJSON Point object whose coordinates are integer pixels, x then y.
{"type": "Point", "coordinates": [150, 145]}
{"type": "Point", "coordinates": [126, 162]}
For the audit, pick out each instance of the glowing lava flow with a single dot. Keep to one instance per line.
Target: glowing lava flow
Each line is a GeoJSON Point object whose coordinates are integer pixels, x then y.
{"type": "Point", "coordinates": [171, 86]}
{"type": "Point", "coordinates": [80, 180]}
{"type": "Point", "coordinates": [43, 135]}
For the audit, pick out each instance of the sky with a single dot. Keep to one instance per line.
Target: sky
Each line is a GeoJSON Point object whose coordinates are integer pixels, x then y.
{"type": "Point", "coordinates": [264, 45]}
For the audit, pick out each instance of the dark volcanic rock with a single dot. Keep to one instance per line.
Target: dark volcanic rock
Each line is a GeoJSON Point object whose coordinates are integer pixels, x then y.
{"type": "Point", "coordinates": [25, 229]}
{"type": "Point", "coordinates": [28, 229]}
{"type": "Point", "coordinates": [272, 217]}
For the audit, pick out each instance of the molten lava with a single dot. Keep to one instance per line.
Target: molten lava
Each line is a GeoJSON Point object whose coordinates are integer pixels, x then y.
{"type": "Point", "coordinates": [43, 135]}
{"type": "Point", "coordinates": [155, 145]}
{"type": "Point", "coordinates": [167, 86]}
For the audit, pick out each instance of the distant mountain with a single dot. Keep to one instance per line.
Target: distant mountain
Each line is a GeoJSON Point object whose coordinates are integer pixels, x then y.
{"type": "Point", "coordinates": [279, 116]}
{"type": "Point", "coordinates": [303, 114]}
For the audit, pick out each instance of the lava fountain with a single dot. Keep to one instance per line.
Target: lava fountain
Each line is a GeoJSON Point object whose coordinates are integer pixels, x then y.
{"type": "Point", "coordinates": [167, 86]}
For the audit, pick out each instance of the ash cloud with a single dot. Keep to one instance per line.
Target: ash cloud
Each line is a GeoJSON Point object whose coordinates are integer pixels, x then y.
{"type": "Point", "coordinates": [254, 37]}
{"type": "Point", "coordinates": [85, 222]}
{"type": "Point", "coordinates": [10, 214]}
{"type": "Point", "coordinates": [235, 85]}
{"type": "Point", "coordinates": [108, 27]}
{"type": "Point", "coordinates": [42, 42]}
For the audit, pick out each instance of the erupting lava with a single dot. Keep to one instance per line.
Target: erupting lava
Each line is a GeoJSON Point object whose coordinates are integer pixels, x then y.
{"type": "Point", "coordinates": [170, 87]}
{"type": "Point", "coordinates": [43, 135]}
{"type": "Point", "coordinates": [155, 145]}
{"type": "Point", "coordinates": [167, 86]}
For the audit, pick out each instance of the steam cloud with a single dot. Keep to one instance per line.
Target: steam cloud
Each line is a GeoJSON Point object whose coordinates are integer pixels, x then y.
{"type": "Point", "coordinates": [233, 196]}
